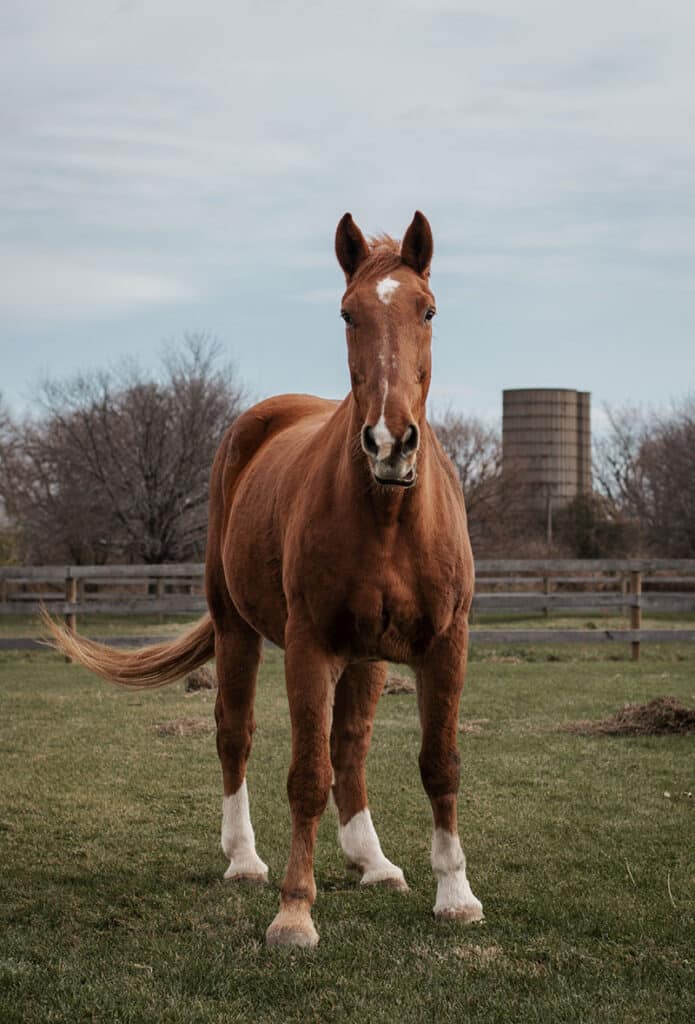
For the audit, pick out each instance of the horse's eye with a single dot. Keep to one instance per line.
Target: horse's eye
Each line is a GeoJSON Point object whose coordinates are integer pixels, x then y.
{"type": "Point", "coordinates": [430, 314]}
{"type": "Point", "coordinates": [346, 316]}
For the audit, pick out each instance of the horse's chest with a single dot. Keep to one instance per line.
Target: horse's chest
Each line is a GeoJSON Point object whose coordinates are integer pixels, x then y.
{"type": "Point", "coordinates": [390, 620]}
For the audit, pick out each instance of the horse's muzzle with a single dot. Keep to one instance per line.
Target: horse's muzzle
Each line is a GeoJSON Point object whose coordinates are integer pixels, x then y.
{"type": "Point", "coordinates": [392, 461]}
{"type": "Point", "coordinates": [394, 476]}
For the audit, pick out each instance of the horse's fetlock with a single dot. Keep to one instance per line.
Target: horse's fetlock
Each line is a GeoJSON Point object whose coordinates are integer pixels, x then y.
{"type": "Point", "coordinates": [296, 895]}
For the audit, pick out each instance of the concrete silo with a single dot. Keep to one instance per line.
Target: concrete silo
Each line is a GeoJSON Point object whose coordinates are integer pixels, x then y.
{"type": "Point", "coordinates": [546, 445]}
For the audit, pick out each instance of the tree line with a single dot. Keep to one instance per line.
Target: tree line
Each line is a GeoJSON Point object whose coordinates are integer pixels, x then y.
{"type": "Point", "coordinates": [115, 467]}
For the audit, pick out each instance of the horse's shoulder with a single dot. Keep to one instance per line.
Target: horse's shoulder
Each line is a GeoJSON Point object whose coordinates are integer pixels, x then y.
{"type": "Point", "coordinates": [254, 427]}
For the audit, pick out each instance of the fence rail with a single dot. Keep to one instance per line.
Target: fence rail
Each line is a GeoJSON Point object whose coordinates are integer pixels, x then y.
{"type": "Point", "coordinates": [626, 586]}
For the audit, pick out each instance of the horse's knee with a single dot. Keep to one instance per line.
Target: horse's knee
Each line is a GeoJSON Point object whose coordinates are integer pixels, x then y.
{"type": "Point", "coordinates": [440, 770]}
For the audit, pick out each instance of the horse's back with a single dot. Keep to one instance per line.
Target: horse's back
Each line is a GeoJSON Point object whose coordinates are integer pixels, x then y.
{"type": "Point", "coordinates": [256, 427]}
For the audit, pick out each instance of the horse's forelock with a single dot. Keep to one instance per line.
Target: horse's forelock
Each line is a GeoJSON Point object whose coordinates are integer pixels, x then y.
{"type": "Point", "coordinates": [384, 257]}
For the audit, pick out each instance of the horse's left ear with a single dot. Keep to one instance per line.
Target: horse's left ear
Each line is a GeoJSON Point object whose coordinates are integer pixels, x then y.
{"type": "Point", "coordinates": [417, 245]}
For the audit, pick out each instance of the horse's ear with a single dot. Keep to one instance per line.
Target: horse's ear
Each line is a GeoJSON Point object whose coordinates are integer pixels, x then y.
{"type": "Point", "coordinates": [417, 245]}
{"type": "Point", "coordinates": [350, 245]}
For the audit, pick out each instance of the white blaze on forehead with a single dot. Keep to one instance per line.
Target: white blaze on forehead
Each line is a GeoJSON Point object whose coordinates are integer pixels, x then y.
{"type": "Point", "coordinates": [385, 289]}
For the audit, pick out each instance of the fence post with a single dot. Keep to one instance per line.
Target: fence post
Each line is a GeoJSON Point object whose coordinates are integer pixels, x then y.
{"type": "Point", "coordinates": [160, 591]}
{"type": "Point", "coordinates": [546, 590]}
{"type": "Point", "coordinates": [635, 610]}
{"type": "Point", "coordinates": [71, 597]}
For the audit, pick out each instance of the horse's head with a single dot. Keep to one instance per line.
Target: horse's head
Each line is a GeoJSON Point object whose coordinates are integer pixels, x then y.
{"type": "Point", "coordinates": [388, 309]}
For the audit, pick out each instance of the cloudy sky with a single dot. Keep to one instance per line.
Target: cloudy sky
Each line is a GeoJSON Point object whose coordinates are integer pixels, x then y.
{"type": "Point", "coordinates": [171, 166]}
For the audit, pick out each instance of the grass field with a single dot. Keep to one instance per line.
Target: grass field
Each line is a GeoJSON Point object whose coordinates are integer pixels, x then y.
{"type": "Point", "coordinates": [112, 903]}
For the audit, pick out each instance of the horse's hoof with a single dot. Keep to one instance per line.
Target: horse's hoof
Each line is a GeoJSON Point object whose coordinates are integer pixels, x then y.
{"type": "Point", "coordinates": [469, 914]}
{"type": "Point", "coordinates": [292, 929]}
{"type": "Point", "coordinates": [249, 869]}
{"type": "Point", "coordinates": [245, 877]}
{"type": "Point", "coordinates": [392, 880]}
{"type": "Point", "coordinates": [291, 937]}
{"type": "Point", "coordinates": [398, 884]}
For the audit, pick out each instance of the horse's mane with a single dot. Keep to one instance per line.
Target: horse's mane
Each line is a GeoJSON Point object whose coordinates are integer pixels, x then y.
{"type": "Point", "coordinates": [384, 257]}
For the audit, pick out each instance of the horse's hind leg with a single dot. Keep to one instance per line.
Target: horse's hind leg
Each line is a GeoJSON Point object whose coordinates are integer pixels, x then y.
{"type": "Point", "coordinates": [357, 693]}
{"type": "Point", "coordinates": [238, 654]}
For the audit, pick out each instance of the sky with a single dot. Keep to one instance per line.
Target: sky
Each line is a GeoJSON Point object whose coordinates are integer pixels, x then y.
{"type": "Point", "coordinates": [173, 166]}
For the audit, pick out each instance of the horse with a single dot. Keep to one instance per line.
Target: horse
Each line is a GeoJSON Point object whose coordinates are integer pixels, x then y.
{"type": "Point", "coordinates": [337, 531]}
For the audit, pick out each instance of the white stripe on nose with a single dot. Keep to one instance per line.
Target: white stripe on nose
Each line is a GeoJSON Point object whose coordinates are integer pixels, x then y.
{"type": "Point", "coordinates": [382, 434]}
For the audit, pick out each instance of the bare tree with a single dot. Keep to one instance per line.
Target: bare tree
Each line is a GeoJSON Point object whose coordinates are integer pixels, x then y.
{"type": "Point", "coordinates": [8, 533]}
{"type": "Point", "coordinates": [118, 465]}
{"type": "Point", "coordinates": [645, 466]}
{"type": "Point", "coordinates": [496, 517]}
{"type": "Point", "coordinates": [476, 452]}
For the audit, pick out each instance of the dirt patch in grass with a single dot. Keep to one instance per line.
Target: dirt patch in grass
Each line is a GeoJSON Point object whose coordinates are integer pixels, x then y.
{"type": "Point", "coordinates": [186, 727]}
{"type": "Point", "coordinates": [477, 954]}
{"type": "Point", "coordinates": [660, 717]}
{"type": "Point", "coordinates": [396, 683]}
{"type": "Point", "coordinates": [473, 726]}
{"type": "Point", "coordinates": [200, 679]}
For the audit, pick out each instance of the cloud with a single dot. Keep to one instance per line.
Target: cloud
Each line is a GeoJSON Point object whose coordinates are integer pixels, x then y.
{"type": "Point", "coordinates": [35, 287]}
{"type": "Point", "coordinates": [158, 152]}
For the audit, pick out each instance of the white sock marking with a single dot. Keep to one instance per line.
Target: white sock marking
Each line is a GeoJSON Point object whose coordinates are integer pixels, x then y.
{"type": "Point", "coordinates": [454, 893]}
{"type": "Point", "coordinates": [361, 846]}
{"type": "Point", "coordinates": [385, 289]}
{"type": "Point", "coordinates": [238, 840]}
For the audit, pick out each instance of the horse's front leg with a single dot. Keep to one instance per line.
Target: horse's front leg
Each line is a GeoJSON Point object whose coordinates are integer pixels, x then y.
{"type": "Point", "coordinates": [311, 675]}
{"type": "Point", "coordinates": [439, 685]}
{"type": "Point", "coordinates": [356, 698]}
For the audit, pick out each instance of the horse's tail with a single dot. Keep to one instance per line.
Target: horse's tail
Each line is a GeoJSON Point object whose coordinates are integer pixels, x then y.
{"type": "Point", "coordinates": [138, 667]}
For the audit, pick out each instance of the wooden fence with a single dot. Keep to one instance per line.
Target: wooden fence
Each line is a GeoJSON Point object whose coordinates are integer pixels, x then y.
{"type": "Point", "coordinates": [504, 587]}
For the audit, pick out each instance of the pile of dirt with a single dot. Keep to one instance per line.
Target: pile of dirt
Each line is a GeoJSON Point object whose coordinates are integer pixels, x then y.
{"type": "Point", "coordinates": [200, 679]}
{"type": "Point", "coordinates": [663, 716]}
{"type": "Point", "coordinates": [186, 727]}
{"type": "Point", "coordinates": [396, 683]}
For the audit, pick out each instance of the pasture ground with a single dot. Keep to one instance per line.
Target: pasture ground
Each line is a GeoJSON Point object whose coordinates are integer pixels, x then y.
{"type": "Point", "coordinates": [113, 908]}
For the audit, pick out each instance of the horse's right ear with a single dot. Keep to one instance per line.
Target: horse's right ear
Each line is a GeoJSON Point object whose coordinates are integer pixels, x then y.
{"type": "Point", "coordinates": [350, 245]}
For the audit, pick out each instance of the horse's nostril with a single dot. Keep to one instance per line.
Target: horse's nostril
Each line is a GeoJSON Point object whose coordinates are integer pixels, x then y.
{"type": "Point", "coordinates": [369, 441]}
{"type": "Point", "coordinates": [410, 440]}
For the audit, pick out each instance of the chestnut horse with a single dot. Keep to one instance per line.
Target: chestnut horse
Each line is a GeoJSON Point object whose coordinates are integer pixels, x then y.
{"type": "Point", "coordinates": [337, 530]}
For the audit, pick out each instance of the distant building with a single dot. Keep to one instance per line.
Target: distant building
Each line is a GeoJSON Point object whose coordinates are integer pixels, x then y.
{"type": "Point", "coordinates": [546, 445]}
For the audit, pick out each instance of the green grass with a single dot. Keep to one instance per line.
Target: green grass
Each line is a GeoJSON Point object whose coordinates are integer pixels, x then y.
{"type": "Point", "coordinates": [112, 905]}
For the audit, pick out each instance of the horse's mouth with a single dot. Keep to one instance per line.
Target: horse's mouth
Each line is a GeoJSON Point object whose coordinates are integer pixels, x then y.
{"type": "Point", "coordinates": [392, 481]}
